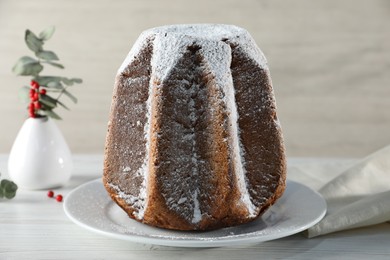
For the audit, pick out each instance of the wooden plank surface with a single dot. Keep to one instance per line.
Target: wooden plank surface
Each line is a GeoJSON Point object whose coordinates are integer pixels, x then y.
{"type": "Point", "coordinates": [329, 61]}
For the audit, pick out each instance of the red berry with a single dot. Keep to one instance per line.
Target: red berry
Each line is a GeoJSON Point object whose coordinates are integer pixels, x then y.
{"type": "Point", "coordinates": [37, 105]}
{"type": "Point", "coordinates": [50, 194]}
{"type": "Point", "coordinates": [32, 92]}
{"type": "Point", "coordinates": [31, 110]}
{"type": "Point", "coordinates": [34, 84]}
{"type": "Point", "coordinates": [35, 97]}
{"type": "Point", "coordinates": [31, 106]}
{"type": "Point", "coordinates": [59, 198]}
{"type": "Point", "coordinates": [33, 115]}
{"type": "Point", "coordinates": [43, 91]}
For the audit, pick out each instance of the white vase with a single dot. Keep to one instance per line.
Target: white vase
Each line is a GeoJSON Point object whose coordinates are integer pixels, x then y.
{"type": "Point", "coordinates": [40, 157]}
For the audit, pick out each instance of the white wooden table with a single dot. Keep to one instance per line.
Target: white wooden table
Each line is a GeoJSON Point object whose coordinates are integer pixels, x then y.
{"type": "Point", "coordinates": [33, 226]}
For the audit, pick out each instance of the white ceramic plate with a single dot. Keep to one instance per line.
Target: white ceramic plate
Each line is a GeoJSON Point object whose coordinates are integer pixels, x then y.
{"type": "Point", "coordinates": [298, 209]}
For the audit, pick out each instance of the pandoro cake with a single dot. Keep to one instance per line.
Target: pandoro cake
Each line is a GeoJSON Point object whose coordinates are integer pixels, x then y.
{"type": "Point", "coordinates": [193, 141]}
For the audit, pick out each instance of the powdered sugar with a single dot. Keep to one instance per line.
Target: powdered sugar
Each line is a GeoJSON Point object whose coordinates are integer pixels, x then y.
{"type": "Point", "coordinates": [238, 152]}
{"type": "Point", "coordinates": [144, 170]}
{"type": "Point", "coordinates": [181, 200]}
{"type": "Point", "coordinates": [174, 39]}
{"type": "Point", "coordinates": [136, 201]}
{"type": "Point", "coordinates": [197, 214]}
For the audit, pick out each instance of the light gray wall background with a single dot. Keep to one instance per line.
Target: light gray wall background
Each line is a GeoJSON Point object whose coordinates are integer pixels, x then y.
{"type": "Point", "coordinates": [329, 61]}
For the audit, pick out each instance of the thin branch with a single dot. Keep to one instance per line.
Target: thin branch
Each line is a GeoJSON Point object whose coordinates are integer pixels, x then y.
{"type": "Point", "coordinates": [62, 92]}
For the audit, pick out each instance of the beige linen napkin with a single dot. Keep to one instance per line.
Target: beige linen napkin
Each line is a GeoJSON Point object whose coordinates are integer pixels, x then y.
{"type": "Point", "coordinates": [357, 196]}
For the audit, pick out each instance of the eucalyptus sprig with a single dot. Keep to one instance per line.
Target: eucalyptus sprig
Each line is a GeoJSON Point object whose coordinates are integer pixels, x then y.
{"type": "Point", "coordinates": [42, 104]}
{"type": "Point", "coordinates": [7, 189]}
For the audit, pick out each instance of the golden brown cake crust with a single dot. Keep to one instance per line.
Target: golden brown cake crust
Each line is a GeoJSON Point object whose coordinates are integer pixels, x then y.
{"type": "Point", "coordinates": [193, 140]}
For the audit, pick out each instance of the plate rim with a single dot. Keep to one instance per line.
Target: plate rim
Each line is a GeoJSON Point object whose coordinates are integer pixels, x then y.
{"type": "Point", "coordinates": [190, 242]}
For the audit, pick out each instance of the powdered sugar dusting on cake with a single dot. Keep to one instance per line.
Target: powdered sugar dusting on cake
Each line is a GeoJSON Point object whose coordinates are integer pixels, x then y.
{"type": "Point", "coordinates": [144, 170]}
{"type": "Point", "coordinates": [197, 214]}
{"type": "Point", "coordinates": [171, 42]}
{"type": "Point", "coordinates": [168, 49]}
{"type": "Point", "coordinates": [181, 189]}
{"type": "Point", "coordinates": [218, 57]}
{"type": "Point", "coordinates": [138, 201]}
{"type": "Point", "coordinates": [238, 153]}
{"type": "Point", "coordinates": [173, 38]}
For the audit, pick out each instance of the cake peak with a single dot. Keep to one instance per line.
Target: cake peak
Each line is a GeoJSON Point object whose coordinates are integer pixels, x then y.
{"type": "Point", "coordinates": [211, 38]}
{"type": "Point", "coordinates": [205, 31]}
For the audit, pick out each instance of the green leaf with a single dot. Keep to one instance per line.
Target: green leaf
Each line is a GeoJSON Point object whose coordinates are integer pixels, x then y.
{"type": "Point", "coordinates": [10, 187]}
{"type": "Point", "coordinates": [55, 84]}
{"type": "Point", "coordinates": [62, 104]}
{"type": "Point", "coordinates": [48, 101]}
{"type": "Point", "coordinates": [52, 114]}
{"type": "Point", "coordinates": [76, 80]}
{"type": "Point", "coordinates": [33, 42]}
{"type": "Point", "coordinates": [44, 80]}
{"type": "Point", "coordinates": [4, 183]}
{"type": "Point", "coordinates": [47, 33]}
{"type": "Point", "coordinates": [45, 107]}
{"type": "Point", "coordinates": [46, 55]}
{"type": "Point", "coordinates": [9, 194]}
{"type": "Point", "coordinates": [67, 81]}
{"type": "Point", "coordinates": [73, 98]}
{"type": "Point", "coordinates": [54, 64]}
{"type": "Point", "coordinates": [24, 94]}
{"type": "Point", "coordinates": [27, 66]}
{"type": "Point", "coordinates": [70, 82]}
